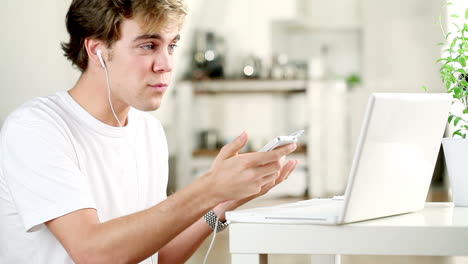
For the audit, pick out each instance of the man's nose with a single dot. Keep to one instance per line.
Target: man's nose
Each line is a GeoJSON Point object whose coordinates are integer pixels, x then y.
{"type": "Point", "coordinates": [163, 62]}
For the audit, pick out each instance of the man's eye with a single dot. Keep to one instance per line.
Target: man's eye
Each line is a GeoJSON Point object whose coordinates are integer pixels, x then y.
{"type": "Point", "coordinates": [172, 47]}
{"type": "Point", "coordinates": [148, 46]}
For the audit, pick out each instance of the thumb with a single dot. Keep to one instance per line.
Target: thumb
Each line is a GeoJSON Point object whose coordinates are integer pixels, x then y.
{"type": "Point", "coordinates": [234, 147]}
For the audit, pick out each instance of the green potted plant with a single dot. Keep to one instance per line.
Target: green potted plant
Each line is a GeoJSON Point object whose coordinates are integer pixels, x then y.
{"type": "Point", "coordinates": [455, 77]}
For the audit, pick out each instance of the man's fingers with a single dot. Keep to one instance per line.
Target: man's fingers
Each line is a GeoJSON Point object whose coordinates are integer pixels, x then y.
{"type": "Point", "coordinates": [269, 179]}
{"type": "Point", "coordinates": [289, 170]}
{"type": "Point", "coordinates": [260, 158]}
{"type": "Point", "coordinates": [234, 147]}
{"type": "Point", "coordinates": [267, 169]}
{"type": "Point", "coordinates": [286, 170]}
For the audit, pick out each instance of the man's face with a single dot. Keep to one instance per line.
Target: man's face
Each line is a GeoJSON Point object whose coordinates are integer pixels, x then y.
{"type": "Point", "coordinates": [140, 65]}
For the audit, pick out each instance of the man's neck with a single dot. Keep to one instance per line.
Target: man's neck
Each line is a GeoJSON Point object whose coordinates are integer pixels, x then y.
{"type": "Point", "coordinates": [91, 94]}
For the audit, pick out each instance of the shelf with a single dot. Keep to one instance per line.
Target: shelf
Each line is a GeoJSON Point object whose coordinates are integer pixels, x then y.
{"type": "Point", "coordinates": [250, 86]}
{"type": "Point", "coordinates": [328, 129]}
{"type": "Point", "coordinates": [205, 152]}
{"type": "Point", "coordinates": [301, 149]}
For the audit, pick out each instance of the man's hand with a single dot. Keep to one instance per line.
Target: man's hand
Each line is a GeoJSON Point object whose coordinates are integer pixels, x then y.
{"type": "Point", "coordinates": [286, 170]}
{"type": "Point", "coordinates": [243, 177]}
{"type": "Point", "coordinates": [284, 173]}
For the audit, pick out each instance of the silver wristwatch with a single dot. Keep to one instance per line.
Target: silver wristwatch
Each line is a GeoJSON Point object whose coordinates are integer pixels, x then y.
{"type": "Point", "coordinates": [211, 219]}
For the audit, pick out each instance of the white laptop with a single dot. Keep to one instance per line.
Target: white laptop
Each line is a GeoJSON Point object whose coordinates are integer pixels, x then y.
{"type": "Point", "coordinates": [391, 170]}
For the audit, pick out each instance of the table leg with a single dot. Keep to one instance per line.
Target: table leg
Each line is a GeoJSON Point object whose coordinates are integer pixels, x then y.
{"type": "Point", "coordinates": [249, 259]}
{"type": "Point", "coordinates": [326, 259]}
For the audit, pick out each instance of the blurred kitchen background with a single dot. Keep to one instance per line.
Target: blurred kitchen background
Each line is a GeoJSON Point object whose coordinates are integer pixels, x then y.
{"type": "Point", "coordinates": [268, 67]}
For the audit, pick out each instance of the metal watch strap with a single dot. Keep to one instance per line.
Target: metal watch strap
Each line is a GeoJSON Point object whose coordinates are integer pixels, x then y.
{"type": "Point", "coordinates": [211, 218]}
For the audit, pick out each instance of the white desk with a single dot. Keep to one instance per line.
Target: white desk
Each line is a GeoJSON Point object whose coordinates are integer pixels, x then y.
{"type": "Point", "coordinates": [438, 230]}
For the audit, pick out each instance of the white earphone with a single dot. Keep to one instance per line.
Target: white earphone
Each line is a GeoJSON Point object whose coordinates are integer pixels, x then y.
{"type": "Point", "coordinates": [103, 64]}
{"type": "Point", "coordinates": [100, 58]}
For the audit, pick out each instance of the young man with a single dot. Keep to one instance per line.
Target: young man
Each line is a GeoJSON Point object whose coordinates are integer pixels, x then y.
{"type": "Point", "coordinates": [83, 173]}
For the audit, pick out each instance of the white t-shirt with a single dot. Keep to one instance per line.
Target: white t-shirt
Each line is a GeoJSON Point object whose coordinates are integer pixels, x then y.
{"type": "Point", "coordinates": [56, 158]}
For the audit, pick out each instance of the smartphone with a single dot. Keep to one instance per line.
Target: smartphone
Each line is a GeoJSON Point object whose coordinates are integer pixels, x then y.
{"type": "Point", "coordinates": [281, 141]}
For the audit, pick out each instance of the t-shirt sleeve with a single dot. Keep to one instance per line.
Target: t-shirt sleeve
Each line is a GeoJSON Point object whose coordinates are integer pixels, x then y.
{"type": "Point", "coordinates": [40, 167]}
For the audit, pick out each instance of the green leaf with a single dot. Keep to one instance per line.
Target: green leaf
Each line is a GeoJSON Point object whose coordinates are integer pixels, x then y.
{"type": "Point", "coordinates": [455, 123]}
{"type": "Point", "coordinates": [455, 16]}
{"type": "Point", "coordinates": [448, 67]}
{"type": "Point", "coordinates": [453, 79]}
{"type": "Point", "coordinates": [462, 61]}
{"type": "Point", "coordinates": [466, 13]}
{"type": "Point", "coordinates": [440, 44]}
{"type": "Point", "coordinates": [424, 88]}
{"type": "Point", "coordinates": [450, 118]}
{"type": "Point", "coordinates": [457, 133]}
{"type": "Point", "coordinates": [461, 70]}
{"type": "Point", "coordinates": [454, 42]}
{"type": "Point", "coordinates": [465, 111]}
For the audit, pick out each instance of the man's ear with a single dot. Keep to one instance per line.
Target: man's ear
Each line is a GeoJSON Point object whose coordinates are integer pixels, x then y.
{"type": "Point", "coordinates": [92, 46]}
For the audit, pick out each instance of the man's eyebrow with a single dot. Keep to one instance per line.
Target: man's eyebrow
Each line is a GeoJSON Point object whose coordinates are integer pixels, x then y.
{"type": "Point", "coordinates": [154, 36]}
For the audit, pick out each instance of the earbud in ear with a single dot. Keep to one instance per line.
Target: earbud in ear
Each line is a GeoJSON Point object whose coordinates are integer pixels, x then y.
{"type": "Point", "coordinates": [100, 58]}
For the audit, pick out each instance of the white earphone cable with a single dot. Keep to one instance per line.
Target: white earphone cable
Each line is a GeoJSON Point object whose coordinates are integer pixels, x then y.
{"type": "Point", "coordinates": [212, 240]}
{"type": "Point", "coordinates": [109, 96]}
{"type": "Point", "coordinates": [116, 118]}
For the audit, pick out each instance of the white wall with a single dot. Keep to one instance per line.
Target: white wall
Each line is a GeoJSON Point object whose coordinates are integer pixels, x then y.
{"type": "Point", "coordinates": [400, 50]}
{"type": "Point", "coordinates": [31, 61]}
{"type": "Point", "coordinates": [331, 14]}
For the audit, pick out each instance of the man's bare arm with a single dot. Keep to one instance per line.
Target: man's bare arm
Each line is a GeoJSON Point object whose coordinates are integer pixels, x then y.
{"type": "Point", "coordinates": [132, 238]}
{"type": "Point", "coordinates": [137, 236]}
